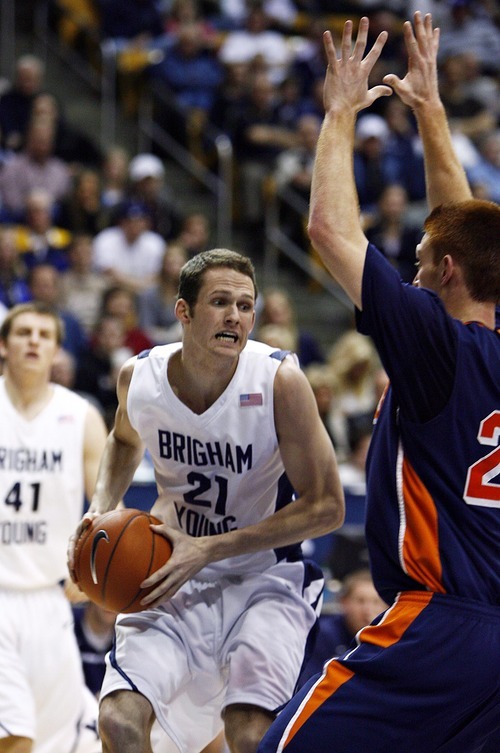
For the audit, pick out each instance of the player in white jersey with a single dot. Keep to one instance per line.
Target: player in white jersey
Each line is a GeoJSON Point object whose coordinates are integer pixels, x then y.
{"type": "Point", "coordinates": [245, 470]}
{"type": "Point", "coordinates": [51, 441]}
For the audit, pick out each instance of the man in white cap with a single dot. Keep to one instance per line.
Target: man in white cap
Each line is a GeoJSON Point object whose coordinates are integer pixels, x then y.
{"type": "Point", "coordinates": [147, 178]}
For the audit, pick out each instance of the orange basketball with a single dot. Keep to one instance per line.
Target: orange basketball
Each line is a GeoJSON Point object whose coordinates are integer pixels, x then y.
{"type": "Point", "coordinates": [115, 554]}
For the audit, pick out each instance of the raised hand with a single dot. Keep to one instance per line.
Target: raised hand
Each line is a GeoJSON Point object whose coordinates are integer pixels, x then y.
{"type": "Point", "coordinates": [346, 82]}
{"type": "Point", "coordinates": [420, 85]}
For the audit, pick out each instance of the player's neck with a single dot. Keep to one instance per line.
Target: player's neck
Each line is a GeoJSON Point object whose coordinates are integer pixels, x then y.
{"type": "Point", "coordinates": [197, 385]}
{"type": "Point", "coordinates": [28, 395]}
{"type": "Point", "coordinates": [483, 313]}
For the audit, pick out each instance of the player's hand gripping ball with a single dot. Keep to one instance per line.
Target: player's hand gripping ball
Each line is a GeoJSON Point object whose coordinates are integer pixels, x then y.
{"type": "Point", "coordinates": [115, 554]}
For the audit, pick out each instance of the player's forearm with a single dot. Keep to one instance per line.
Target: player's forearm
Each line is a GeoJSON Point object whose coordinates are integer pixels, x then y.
{"type": "Point", "coordinates": [299, 520]}
{"type": "Point", "coordinates": [116, 472]}
{"type": "Point", "coordinates": [445, 177]}
{"type": "Point", "coordinates": [334, 220]}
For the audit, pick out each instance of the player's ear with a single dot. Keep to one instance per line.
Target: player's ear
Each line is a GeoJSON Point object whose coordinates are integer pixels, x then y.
{"type": "Point", "coordinates": [3, 349]}
{"type": "Point", "coordinates": [447, 268]}
{"type": "Point", "coordinates": [182, 311]}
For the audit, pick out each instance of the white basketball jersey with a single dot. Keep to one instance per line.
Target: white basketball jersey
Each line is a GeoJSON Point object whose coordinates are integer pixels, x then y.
{"type": "Point", "coordinates": [220, 470]}
{"type": "Point", "coordinates": [41, 488]}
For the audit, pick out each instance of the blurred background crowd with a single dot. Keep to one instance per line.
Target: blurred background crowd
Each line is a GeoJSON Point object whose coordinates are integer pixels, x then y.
{"type": "Point", "coordinates": [99, 228]}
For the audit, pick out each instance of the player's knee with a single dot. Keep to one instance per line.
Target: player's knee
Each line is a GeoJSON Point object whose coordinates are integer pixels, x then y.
{"type": "Point", "coordinates": [122, 724]}
{"type": "Point", "coordinates": [245, 738]}
{"type": "Point", "coordinates": [243, 741]}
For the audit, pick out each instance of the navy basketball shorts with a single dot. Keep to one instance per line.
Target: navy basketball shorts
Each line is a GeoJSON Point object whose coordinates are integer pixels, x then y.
{"type": "Point", "coordinates": [425, 677]}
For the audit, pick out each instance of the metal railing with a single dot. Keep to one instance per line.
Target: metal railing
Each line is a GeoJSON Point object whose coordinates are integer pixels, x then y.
{"type": "Point", "coordinates": [218, 182]}
{"type": "Point", "coordinates": [283, 198]}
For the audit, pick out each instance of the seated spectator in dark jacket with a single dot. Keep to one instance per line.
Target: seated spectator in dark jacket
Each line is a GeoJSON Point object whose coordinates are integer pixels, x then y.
{"type": "Point", "coordinates": [149, 187]}
{"type": "Point", "coordinates": [98, 367]}
{"type": "Point", "coordinates": [15, 103]}
{"type": "Point", "coordinates": [359, 604]}
{"type": "Point", "coordinates": [130, 20]}
{"type": "Point", "coordinates": [393, 234]}
{"type": "Point", "coordinates": [71, 145]}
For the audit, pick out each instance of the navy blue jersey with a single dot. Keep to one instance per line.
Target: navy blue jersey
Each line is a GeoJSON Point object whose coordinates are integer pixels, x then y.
{"type": "Point", "coordinates": [433, 471]}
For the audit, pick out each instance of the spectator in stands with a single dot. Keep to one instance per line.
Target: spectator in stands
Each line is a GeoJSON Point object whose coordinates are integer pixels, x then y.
{"type": "Point", "coordinates": [38, 239]}
{"type": "Point", "coordinates": [148, 186]}
{"type": "Point", "coordinates": [135, 21]}
{"type": "Point", "coordinates": [355, 365]}
{"type": "Point", "coordinates": [195, 233]}
{"type": "Point", "coordinates": [72, 146]}
{"type": "Point", "coordinates": [129, 253]}
{"type": "Point", "coordinates": [121, 302]}
{"type": "Point", "coordinates": [15, 103]}
{"type": "Point", "coordinates": [191, 74]}
{"type": "Point", "coordinates": [35, 166]}
{"type": "Point", "coordinates": [392, 232]}
{"type": "Point", "coordinates": [82, 209]}
{"type": "Point", "coordinates": [403, 153]}
{"type": "Point", "coordinates": [370, 164]}
{"type": "Point", "coordinates": [467, 115]}
{"type": "Point", "coordinates": [281, 14]}
{"type": "Point", "coordinates": [81, 288]}
{"type": "Point", "coordinates": [183, 12]}
{"type": "Point", "coordinates": [156, 305]}
{"type": "Point", "coordinates": [230, 96]}
{"type": "Point", "coordinates": [309, 63]}
{"type": "Point", "coordinates": [293, 172]}
{"type": "Point", "coordinates": [484, 87]}
{"type": "Point", "coordinates": [290, 104]}
{"type": "Point", "coordinates": [257, 44]}
{"type": "Point", "coordinates": [114, 173]}
{"type": "Point", "coordinates": [485, 175]}
{"type": "Point", "coordinates": [98, 366]}
{"type": "Point", "coordinates": [258, 139]}
{"type": "Point", "coordinates": [322, 381]}
{"type": "Point", "coordinates": [14, 286]}
{"type": "Point", "coordinates": [277, 336]}
{"type": "Point", "coordinates": [277, 308]}
{"type": "Point", "coordinates": [44, 282]}
{"type": "Point", "coordinates": [359, 604]}
{"type": "Point", "coordinates": [63, 372]}
{"type": "Point", "coordinates": [352, 470]}
{"type": "Point", "coordinates": [464, 30]}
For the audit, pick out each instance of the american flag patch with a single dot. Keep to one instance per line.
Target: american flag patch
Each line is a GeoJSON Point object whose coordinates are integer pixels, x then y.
{"type": "Point", "coordinates": [251, 398]}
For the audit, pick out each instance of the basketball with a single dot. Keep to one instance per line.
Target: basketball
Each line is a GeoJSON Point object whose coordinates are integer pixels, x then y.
{"type": "Point", "coordinates": [115, 554]}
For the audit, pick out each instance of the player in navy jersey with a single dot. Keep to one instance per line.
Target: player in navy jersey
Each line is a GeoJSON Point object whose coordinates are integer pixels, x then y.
{"type": "Point", "coordinates": [424, 676]}
{"type": "Point", "coordinates": [245, 470]}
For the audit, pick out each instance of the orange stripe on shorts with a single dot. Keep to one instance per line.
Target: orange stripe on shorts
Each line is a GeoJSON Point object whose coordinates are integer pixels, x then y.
{"type": "Point", "coordinates": [389, 631]}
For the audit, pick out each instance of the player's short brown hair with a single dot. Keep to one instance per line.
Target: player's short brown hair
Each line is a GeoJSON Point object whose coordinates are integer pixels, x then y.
{"type": "Point", "coordinates": [469, 231]}
{"type": "Point", "coordinates": [193, 271]}
{"type": "Point", "coordinates": [32, 307]}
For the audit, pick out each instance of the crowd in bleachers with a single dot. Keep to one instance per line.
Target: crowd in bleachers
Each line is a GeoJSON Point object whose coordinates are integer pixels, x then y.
{"type": "Point", "coordinates": [100, 234]}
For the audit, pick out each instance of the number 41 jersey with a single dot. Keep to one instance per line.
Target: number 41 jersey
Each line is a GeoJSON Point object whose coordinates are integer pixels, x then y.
{"type": "Point", "coordinates": [41, 488]}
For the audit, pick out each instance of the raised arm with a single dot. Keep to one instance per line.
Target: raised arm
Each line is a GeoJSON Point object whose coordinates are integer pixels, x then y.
{"type": "Point", "coordinates": [334, 221]}
{"type": "Point", "coordinates": [445, 178]}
